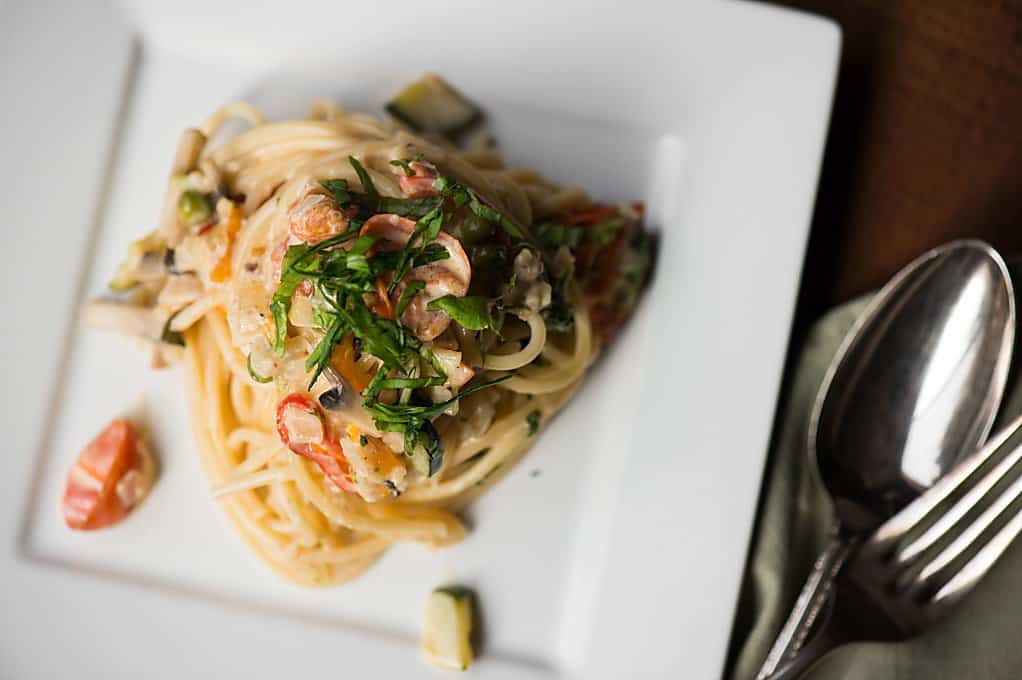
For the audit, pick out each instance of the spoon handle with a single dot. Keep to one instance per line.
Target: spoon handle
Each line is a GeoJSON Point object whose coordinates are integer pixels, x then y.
{"type": "Point", "coordinates": [811, 602]}
{"type": "Point", "coordinates": [823, 641]}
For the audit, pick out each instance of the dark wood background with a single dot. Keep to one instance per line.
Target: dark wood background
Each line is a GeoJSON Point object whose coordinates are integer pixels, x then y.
{"type": "Point", "coordinates": [925, 143]}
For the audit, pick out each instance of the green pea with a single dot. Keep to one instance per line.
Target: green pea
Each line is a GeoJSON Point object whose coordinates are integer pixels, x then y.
{"type": "Point", "coordinates": [489, 256]}
{"type": "Point", "coordinates": [193, 208]}
{"type": "Point", "coordinates": [475, 230]}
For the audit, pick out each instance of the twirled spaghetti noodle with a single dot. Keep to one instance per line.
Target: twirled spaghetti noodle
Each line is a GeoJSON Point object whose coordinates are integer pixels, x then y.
{"type": "Point", "coordinates": [242, 216]}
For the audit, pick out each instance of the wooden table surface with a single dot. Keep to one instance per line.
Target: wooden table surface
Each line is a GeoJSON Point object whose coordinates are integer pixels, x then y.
{"type": "Point", "coordinates": [925, 143]}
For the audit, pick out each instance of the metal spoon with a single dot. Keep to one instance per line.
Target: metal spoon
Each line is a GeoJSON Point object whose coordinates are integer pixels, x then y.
{"type": "Point", "coordinates": [914, 387]}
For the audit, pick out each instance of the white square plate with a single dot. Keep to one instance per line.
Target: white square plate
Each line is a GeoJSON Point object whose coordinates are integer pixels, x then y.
{"type": "Point", "coordinates": [615, 549]}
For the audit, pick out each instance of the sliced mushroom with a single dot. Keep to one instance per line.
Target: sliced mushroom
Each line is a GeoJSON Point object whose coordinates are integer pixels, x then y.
{"type": "Point", "coordinates": [123, 318]}
{"type": "Point", "coordinates": [179, 291]}
{"type": "Point", "coordinates": [144, 262]}
{"type": "Point", "coordinates": [338, 395]}
{"type": "Point", "coordinates": [151, 266]}
{"type": "Point", "coordinates": [164, 354]}
{"type": "Point", "coordinates": [214, 178]}
{"type": "Point", "coordinates": [189, 148]}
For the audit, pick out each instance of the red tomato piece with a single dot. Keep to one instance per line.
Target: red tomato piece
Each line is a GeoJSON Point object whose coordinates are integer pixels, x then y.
{"type": "Point", "coordinates": [325, 453]}
{"type": "Point", "coordinates": [110, 477]}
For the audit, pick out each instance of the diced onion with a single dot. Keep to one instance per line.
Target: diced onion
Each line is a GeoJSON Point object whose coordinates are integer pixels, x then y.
{"type": "Point", "coordinates": [303, 427]}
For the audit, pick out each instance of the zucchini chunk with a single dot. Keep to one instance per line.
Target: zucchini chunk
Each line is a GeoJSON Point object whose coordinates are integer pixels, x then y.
{"type": "Point", "coordinates": [447, 628]}
{"type": "Point", "coordinates": [431, 105]}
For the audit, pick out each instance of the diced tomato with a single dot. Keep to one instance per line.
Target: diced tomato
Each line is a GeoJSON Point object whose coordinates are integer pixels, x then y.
{"type": "Point", "coordinates": [325, 453]}
{"type": "Point", "coordinates": [591, 215]}
{"type": "Point", "coordinates": [295, 400]}
{"type": "Point", "coordinates": [382, 304]}
{"type": "Point", "coordinates": [600, 271]}
{"type": "Point", "coordinates": [330, 459]}
{"type": "Point", "coordinates": [110, 477]}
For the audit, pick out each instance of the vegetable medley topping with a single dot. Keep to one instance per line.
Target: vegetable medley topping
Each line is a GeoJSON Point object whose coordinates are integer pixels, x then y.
{"type": "Point", "coordinates": [387, 276]}
{"type": "Point", "coordinates": [376, 294]}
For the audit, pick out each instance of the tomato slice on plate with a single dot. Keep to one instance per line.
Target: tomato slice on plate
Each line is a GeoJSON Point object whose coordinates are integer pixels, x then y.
{"type": "Point", "coordinates": [110, 477]}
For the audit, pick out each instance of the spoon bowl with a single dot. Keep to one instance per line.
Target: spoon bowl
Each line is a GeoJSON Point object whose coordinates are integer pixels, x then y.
{"type": "Point", "coordinates": [917, 383]}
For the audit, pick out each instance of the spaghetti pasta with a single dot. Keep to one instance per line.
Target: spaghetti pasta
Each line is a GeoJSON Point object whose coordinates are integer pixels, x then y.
{"type": "Point", "coordinates": [380, 334]}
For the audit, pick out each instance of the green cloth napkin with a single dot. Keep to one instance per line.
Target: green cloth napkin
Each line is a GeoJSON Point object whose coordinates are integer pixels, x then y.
{"type": "Point", "coordinates": [981, 639]}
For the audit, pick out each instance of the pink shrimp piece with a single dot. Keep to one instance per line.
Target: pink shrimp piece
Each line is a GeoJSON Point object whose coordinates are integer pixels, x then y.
{"type": "Point", "coordinates": [315, 217]}
{"type": "Point", "coordinates": [443, 277]}
{"type": "Point", "coordinates": [420, 184]}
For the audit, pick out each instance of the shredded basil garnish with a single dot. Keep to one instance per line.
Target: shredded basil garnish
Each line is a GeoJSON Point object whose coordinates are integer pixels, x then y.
{"type": "Point", "coordinates": [471, 312]}
{"type": "Point", "coordinates": [533, 421]}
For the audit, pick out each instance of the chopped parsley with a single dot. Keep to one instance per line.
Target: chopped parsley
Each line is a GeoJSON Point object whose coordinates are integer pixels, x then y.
{"type": "Point", "coordinates": [404, 165]}
{"type": "Point", "coordinates": [472, 312]}
{"type": "Point", "coordinates": [559, 315]}
{"type": "Point", "coordinates": [553, 235]}
{"type": "Point", "coordinates": [253, 374]}
{"type": "Point", "coordinates": [370, 202]}
{"type": "Point", "coordinates": [412, 289]}
{"type": "Point", "coordinates": [344, 273]}
{"type": "Point", "coordinates": [461, 195]}
{"type": "Point", "coordinates": [412, 419]}
{"type": "Point", "coordinates": [426, 230]}
{"type": "Point", "coordinates": [533, 421]}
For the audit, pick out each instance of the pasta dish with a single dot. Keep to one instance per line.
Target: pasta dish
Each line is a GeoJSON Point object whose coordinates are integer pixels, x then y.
{"type": "Point", "coordinates": [375, 317]}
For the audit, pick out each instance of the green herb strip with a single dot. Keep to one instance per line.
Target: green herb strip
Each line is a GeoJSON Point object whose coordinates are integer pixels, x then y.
{"type": "Point", "coordinates": [367, 183]}
{"type": "Point", "coordinates": [472, 312]}
{"type": "Point", "coordinates": [404, 165]}
{"type": "Point", "coordinates": [533, 421]}
{"type": "Point", "coordinates": [461, 195]}
{"type": "Point", "coordinates": [342, 276]}
{"type": "Point", "coordinates": [414, 420]}
{"type": "Point", "coordinates": [320, 355]}
{"type": "Point", "coordinates": [407, 295]}
{"type": "Point", "coordinates": [553, 235]}
{"type": "Point", "coordinates": [252, 372]}
{"type": "Point", "coordinates": [412, 383]}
